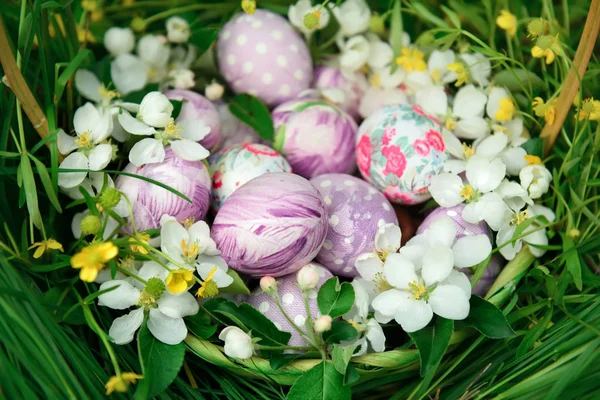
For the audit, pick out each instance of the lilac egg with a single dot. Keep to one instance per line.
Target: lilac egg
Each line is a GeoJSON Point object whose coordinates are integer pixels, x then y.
{"type": "Point", "coordinates": [150, 202]}
{"type": "Point", "coordinates": [236, 165]}
{"type": "Point", "coordinates": [272, 225]}
{"type": "Point", "coordinates": [292, 302]}
{"type": "Point", "coordinates": [399, 149]}
{"type": "Point", "coordinates": [464, 228]}
{"type": "Point", "coordinates": [315, 137]}
{"type": "Point", "coordinates": [354, 86]}
{"type": "Point", "coordinates": [197, 107]}
{"type": "Point", "coordinates": [356, 210]}
{"type": "Point", "coordinates": [233, 130]}
{"type": "Point", "coordinates": [262, 55]}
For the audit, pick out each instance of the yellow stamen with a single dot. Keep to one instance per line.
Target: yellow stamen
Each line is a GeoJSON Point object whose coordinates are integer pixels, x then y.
{"type": "Point", "coordinates": [173, 129]}
{"type": "Point", "coordinates": [436, 75]}
{"type": "Point", "coordinates": [467, 192]}
{"type": "Point", "coordinates": [45, 246]}
{"type": "Point", "coordinates": [380, 283]}
{"type": "Point", "coordinates": [121, 382]}
{"type": "Point", "coordinates": [91, 259]}
{"type": "Point", "coordinates": [461, 72]}
{"type": "Point", "coordinates": [417, 289]}
{"type": "Point", "coordinates": [468, 151]}
{"type": "Point", "coordinates": [519, 218]}
{"type": "Point", "coordinates": [139, 240]}
{"type": "Point", "coordinates": [108, 95]}
{"type": "Point", "coordinates": [190, 251]}
{"type": "Point", "coordinates": [208, 288]}
{"type": "Point", "coordinates": [356, 325]}
{"type": "Point", "coordinates": [84, 140]}
{"type": "Point", "coordinates": [179, 280]}
{"type": "Point", "coordinates": [590, 109]}
{"type": "Point", "coordinates": [412, 60]}
{"type": "Point", "coordinates": [188, 222]}
{"type": "Point", "coordinates": [375, 80]}
{"type": "Point", "coordinates": [450, 124]}
{"type": "Point", "coordinates": [506, 110]}
{"type": "Point", "coordinates": [532, 160]}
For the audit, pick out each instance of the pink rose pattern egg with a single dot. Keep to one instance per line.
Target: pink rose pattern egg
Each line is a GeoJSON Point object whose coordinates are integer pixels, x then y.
{"type": "Point", "coordinates": [464, 228]}
{"type": "Point", "coordinates": [197, 107]}
{"type": "Point", "coordinates": [354, 87]}
{"type": "Point", "coordinates": [399, 149]}
{"type": "Point", "coordinates": [262, 55]}
{"type": "Point", "coordinates": [292, 302]}
{"type": "Point", "coordinates": [315, 137]}
{"type": "Point", "coordinates": [236, 165]}
{"type": "Point", "coordinates": [356, 211]}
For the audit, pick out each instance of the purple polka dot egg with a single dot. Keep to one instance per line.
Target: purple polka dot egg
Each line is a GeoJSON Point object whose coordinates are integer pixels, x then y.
{"type": "Point", "coordinates": [399, 149]}
{"type": "Point", "coordinates": [292, 302]}
{"type": "Point", "coordinates": [356, 211]}
{"type": "Point", "coordinates": [272, 225]}
{"type": "Point", "coordinates": [315, 137]}
{"type": "Point", "coordinates": [236, 165]}
{"type": "Point", "coordinates": [196, 107]}
{"type": "Point", "coordinates": [262, 55]}
{"type": "Point", "coordinates": [353, 86]}
{"type": "Point", "coordinates": [464, 228]}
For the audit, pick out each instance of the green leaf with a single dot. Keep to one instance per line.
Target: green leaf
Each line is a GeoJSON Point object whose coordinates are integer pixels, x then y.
{"type": "Point", "coordinates": [488, 319]}
{"type": "Point", "coordinates": [255, 113]}
{"type": "Point", "coordinates": [68, 72]}
{"type": "Point", "coordinates": [200, 325]}
{"type": "Point", "coordinates": [334, 299]}
{"type": "Point", "coordinates": [432, 342]}
{"type": "Point", "coordinates": [281, 360]}
{"type": "Point", "coordinates": [177, 104]}
{"type": "Point", "coordinates": [160, 364]}
{"type": "Point", "coordinates": [9, 154]}
{"type": "Point", "coordinates": [279, 139]}
{"type": "Point", "coordinates": [534, 333]}
{"type": "Point", "coordinates": [321, 382]}
{"type": "Point", "coordinates": [30, 191]}
{"type": "Point", "coordinates": [341, 356]}
{"type": "Point", "coordinates": [47, 183]}
{"type": "Point", "coordinates": [238, 286]}
{"type": "Point", "coordinates": [571, 258]}
{"type": "Point", "coordinates": [517, 78]}
{"type": "Point", "coordinates": [534, 147]}
{"type": "Point", "coordinates": [452, 16]}
{"type": "Point", "coordinates": [396, 30]}
{"type": "Point", "coordinates": [340, 331]}
{"type": "Point", "coordinates": [352, 376]}
{"type": "Point", "coordinates": [203, 38]}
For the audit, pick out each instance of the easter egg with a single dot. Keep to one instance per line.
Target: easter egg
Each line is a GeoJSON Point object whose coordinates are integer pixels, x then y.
{"type": "Point", "coordinates": [196, 107]}
{"type": "Point", "coordinates": [464, 228]}
{"type": "Point", "coordinates": [272, 225]}
{"type": "Point", "coordinates": [399, 149]}
{"type": "Point", "coordinates": [150, 202]}
{"type": "Point", "coordinates": [292, 302]}
{"type": "Point", "coordinates": [315, 137]}
{"type": "Point", "coordinates": [353, 86]}
{"type": "Point", "coordinates": [262, 55]}
{"type": "Point", "coordinates": [236, 165]}
{"type": "Point", "coordinates": [356, 210]}
{"type": "Point", "coordinates": [233, 130]}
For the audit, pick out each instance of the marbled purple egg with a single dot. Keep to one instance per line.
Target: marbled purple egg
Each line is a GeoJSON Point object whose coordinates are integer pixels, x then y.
{"type": "Point", "coordinates": [272, 225]}
{"type": "Point", "coordinates": [150, 202]}
{"type": "Point", "coordinates": [354, 86]}
{"type": "Point", "coordinates": [315, 137]}
{"type": "Point", "coordinates": [262, 54]}
{"type": "Point", "coordinates": [464, 228]}
{"type": "Point", "coordinates": [233, 130]}
{"type": "Point", "coordinates": [356, 210]}
{"type": "Point", "coordinates": [292, 302]}
{"type": "Point", "coordinates": [197, 107]}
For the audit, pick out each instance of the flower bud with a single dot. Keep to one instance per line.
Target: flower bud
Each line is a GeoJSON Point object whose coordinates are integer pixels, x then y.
{"type": "Point", "coordinates": [91, 225]}
{"type": "Point", "coordinates": [178, 30]}
{"type": "Point", "coordinates": [109, 198]}
{"type": "Point", "coordinates": [311, 20]}
{"type": "Point", "coordinates": [376, 24]}
{"type": "Point", "coordinates": [249, 6]}
{"type": "Point", "coordinates": [138, 24]}
{"type": "Point", "coordinates": [119, 41]}
{"type": "Point", "coordinates": [323, 323]}
{"type": "Point", "coordinates": [268, 284]}
{"type": "Point", "coordinates": [214, 91]}
{"type": "Point", "coordinates": [238, 344]}
{"type": "Point", "coordinates": [308, 277]}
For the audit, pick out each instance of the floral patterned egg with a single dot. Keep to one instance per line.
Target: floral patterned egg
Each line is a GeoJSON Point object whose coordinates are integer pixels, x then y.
{"type": "Point", "coordinates": [356, 210]}
{"type": "Point", "coordinates": [292, 302]}
{"type": "Point", "coordinates": [197, 107]}
{"type": "Point", "coordinates": [262, 55]}
{"type": "Point", "coordinates": [399, 149]}
{"type": "Point", "coordinates": [315, 137]}
{"type": "Point", "coordinates": [272, 225]}
{"type": "Point", "coordinates": [464, 228]}
{"type": "Point", "coordinates": [354, 86]}
{"type": "Point", "coordinates": [236, 165]}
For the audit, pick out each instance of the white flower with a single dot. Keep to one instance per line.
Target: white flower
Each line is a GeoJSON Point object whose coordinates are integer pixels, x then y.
{"type": "Point", "coordinates": [155, 110]}
{"type": "Point", "coordinates": [238, 344]}
{"type": "Point", "coordinates": [119, 41]}
{"type": "Point", "coordinates": [128, 73]}
{"type": "Point", "coordinates": [353, 16]}
{"type": "Point", "coordinates": [375, 98]}
{"type": "Point", "coordinates": [433, 100]}
{"type": "Point", "coordinates": [214, 91]}
{"type": "Point", "coordinates": [155, 54]}
{"type": "Point", "coordinates": [479, 68]}
{"type": "Point", "coordinates": [536, 179]}
{"type": "Point", "coordinates": [437, 67]}
{"type": "Point", "coordinates": [483, 177]}
{"type": "Point", "coordinates": [513, 194]}
{"type": "Point", "coordinates": [165, 310]}
{"type": "Point", "coordinates": [417, 294]}
{"type": "Point", "coordinates": [92, 126]}
{"type": "Point", "coordinates": [533, 234]}
{"type": "Point", "coordinates": [489, 148]}
{"type": "Point", "coordinates": [369, 328]}
{"type": "Point", "coordinates": [500, 106]}
{"type": "Point", "coordinates": [181, 78]}
{"type": "Point", "coordinates": [380, 52]}
{"type": "Point", "coordinates": [467, 120]}
{"type": "Point", "coordinates": [297, 11]}
{"type": "Point", "coordinates": [178, 30]}
{"type": "Point", "coordinates": [354, 53]}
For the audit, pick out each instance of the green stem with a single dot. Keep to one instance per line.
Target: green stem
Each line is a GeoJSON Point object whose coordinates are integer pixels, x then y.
{"type": "Point", "coordinates": [194, 7]}
{"type": "Point", "coordinates": [510, 276]}
{"type": "Point", "coordinates": [316, 337]}
{"type": "Point", "coordinates": [96, 328]}
{"type": "Point", "coordinates": [300, 331]}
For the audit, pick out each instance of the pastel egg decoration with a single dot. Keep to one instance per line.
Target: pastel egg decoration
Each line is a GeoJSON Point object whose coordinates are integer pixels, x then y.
{"type": "Point", "coordinates": [149, 201]}
{"type": "Point", "coordinates": [272, 225]}
{"type": "Point", "coordinates": [233, 130]}
{"type": "Point", "coordinates": [292, 302]}
{"type": "Point", "coordinates": [356, 210]}
{"type": "Point", "coordinates": [262, 55]}
{"type": "Point", "coordinates": [354, 86]}
{"type": "Point", "coordinates": [315, 137]}
{"type": "Point", "coordinates": [196, 107]}
{"type": "Point", "coordinates": [464, 228]}
{"type": "Point", "coordinates": [236, 165]}
{"type": "Point", "coordinates": [399, 149]}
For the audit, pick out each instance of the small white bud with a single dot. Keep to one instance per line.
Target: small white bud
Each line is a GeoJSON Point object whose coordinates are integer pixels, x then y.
{"type": "Point", "coordinates": [268, 284]}
{"type": "Point", "coordinates": [182, 78]}
{"type": "Point", "coordinates": [323, 323]}
{"type": "Point", "coordinates": [214, 91]}
{"type": "Point", "coordinates": [178, 30]}
{"type": "Point", "coordinates": [238, 344]}
{"type": "Point", "coordinates": [119, 41]}
{"type": "Point", "coordinates": [308, 277]}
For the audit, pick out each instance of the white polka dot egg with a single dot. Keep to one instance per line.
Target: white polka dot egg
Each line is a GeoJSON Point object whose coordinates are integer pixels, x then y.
{"type": "Point", "coordinates": [262, 55]}
{"type": "Point", "coordinates": [292, 302]}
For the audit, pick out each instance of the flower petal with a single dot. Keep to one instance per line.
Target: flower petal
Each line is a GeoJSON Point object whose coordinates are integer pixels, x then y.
{"type": "Point", "coordinates": [441, 231]}
{"type": "Point", "coordinates": [411, 314]}
{"type": "Point", "coordinates": [492, 145]}
{"type": "Point", "coordinates": [178, 306]}
{"type": "Point", "coordinates": [123, 328]}
{"type": "Point", "coordinates": [445, 189]}
{"type": "Point", "coordinates": [433, 100]}
{"type": "Point", "coordinates": [399, 271]}
{"type": "Point", "coordinates": [386, 303]}
{"type": "Point", "coordinates": [472, 128]}
{"type": "Point", "coordinates": [173, 236]}
{"type": "Point", "coordinates": [514, 159]}
{"type": "Point", "coordinates": [166, 329]}
{"type": "Point", "coordinates": [199, 231]}
{"type": "Point", "coordinates": [86, 118]}
{"type": "Point", "coordinates": [147, 151]}
{"type": "Point", "coordinates": [66, 143]}
{"type": "Point", "coordinates": [100, 157]}
{"type": "Point", "coordinates": [469, 102]}
{"type": "Point", "coordinates": [133, 125]}
{"type": "Point", "coordinates": [449, 301]}
{"type": "Point", "coordinates": [189, 150]}
{"type": "Point", "coordinates": [485, 175]}
{"type": "Point", "coordinates": [152, 269]}
{"type": "Point", "coordinates": [387, 238]}
{"type": "Point", "coordinates": [87, 85]}
{"type": "Point", "coordinates": [504, 236]}
{"type": "Point", "coordinates": [128, 73]}
{"type": "Point", "coordinates": [471, 250]}
{"type": "Point", "coordinates": [453, 144]}
{"type": "Point", "coordinates": [437, 264]}
{"type": "Point", "coordinates": [73, 161]}
{"type": "Point", "coordinates": [368, 266]}
{"type": "Point", "coordinates": [124, 296]}
{"type": "Point", "coordinates": [195, 130]}
{"type": "Point", "coordinates": [461, 280]}
{"type": "Point", "coordinates": [376, 336]}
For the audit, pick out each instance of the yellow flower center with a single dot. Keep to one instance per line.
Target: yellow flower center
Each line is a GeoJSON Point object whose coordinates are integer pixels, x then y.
{"type": "Point", "coordinates": [412, 60]}
{"type": "Point", "coordinates": [375, 80]}
{"type": "Point", "coordinates": [84, 140]}
{"type": "Point", "coordinates": [468, 151]}
{"type": "Point", "coordinates": [468, 193]}
{"type": "Point", "coordinates": [120, 383]}
{"type": "Point", "coordinates": [92, 258]}
{"type": "Point", "coordinates": [450, 124]}
{"type": "Point", "coordinates": [590, 109]}
{"type": "Point", "coordinates": [519, 218]}
{"type": "Point", "coordinates": [188, 222]}
{"type": "Point", "coordinates": [436, 75]}
{"type": "Point", "coordinates": [461, 72]}
{"type": "Point", "coordinates": [179, 280]}
{"type": "Point", "coordinates": [173, 130]}
{"type": "Point", "coordinates": [418, 290]}
{"type": "Point", "coordinates": [208, 288]}
{"type": "Point", "coordinates": [108, 95]}
{"type": "Point", "coordinates": [190, 251]}
{"type": "Point", "coordinates": [356, 325]}
{"type": "Point", "coordinates": [506, 110]}
{"type": "Point", "coordinates": [532, 160]}
{"type": "Point", "coordinates": [380, 283]}
{"type": "Point", "coordinates": [139, 240]}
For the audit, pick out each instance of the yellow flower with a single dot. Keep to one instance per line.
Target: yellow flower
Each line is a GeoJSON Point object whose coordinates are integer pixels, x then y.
{"type": "Point", "coordinates": [138, 239]}
{"type": "Point", "coordinates": [533, 160]}
{"type": "Point", "coordinates": [121, 382]}
{"type": "Point", "coordinates": [45, 246]}
{"type": "Point", "coordinates": [506, 110]}
{"type": "Point", "coordinates": [590, 109]}
{"type": "Point", "coordinates": [92, 258]}
{"type": "Point", "coordinates": [507, 22]}
{"type": "Point", "coordinates": [547, 46]}
{"type": "Point", "coordinates": [546, 110]}
{"type": "Point", "coordinates": [179, 280]}
{"type": "Point", "coordinates": [461, 72]}
{"type": "Point", "coordinates": [249, 6]}
{"type": "Point", "coordinates": [208, 288]}
{"type": "Point", "coordinates": [84, 35]}
{"type": "Point", "coordinates": [412, 60]}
